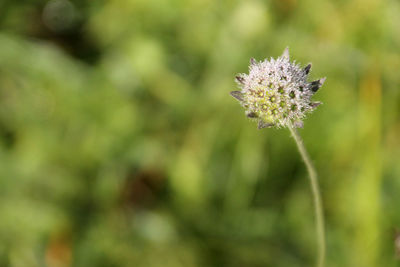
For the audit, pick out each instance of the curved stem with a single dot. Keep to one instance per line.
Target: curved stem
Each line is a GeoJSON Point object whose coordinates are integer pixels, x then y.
{"type": "Point", "coordinates": [319, 216]}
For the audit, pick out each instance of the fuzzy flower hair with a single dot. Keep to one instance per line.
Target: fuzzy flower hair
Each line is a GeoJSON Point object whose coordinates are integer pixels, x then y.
{"type": "Point", "coordinates": [276, 92]}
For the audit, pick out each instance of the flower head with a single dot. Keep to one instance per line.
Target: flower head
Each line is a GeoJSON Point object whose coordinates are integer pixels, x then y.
{"type": "Point", "coordinates": [276, 92]}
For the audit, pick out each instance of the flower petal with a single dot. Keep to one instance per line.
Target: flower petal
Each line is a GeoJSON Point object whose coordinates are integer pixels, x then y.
{"type": "Point", "coordinates": [315, 104]}
{"type": "Point", "coordinates": [307, 68]}
{"type": "Point", "coordinates": [263, 124]}
{"type": "Point", "coordinates": [315, 85]}
{"type": "Point", "coordinates": [298, 124]}
{"type": "Point", "coordinates": [239, 79]}
{"type": "Point", "coordinates": [251, 115]}
{"type": "Point", "coordinates": [238, 95]}
{"type": "Point", "coordinates": [285, 54]}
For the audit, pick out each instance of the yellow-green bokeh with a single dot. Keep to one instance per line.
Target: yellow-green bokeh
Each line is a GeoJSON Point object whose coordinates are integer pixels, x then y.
{"type": "Point", "coordinates": [121, 146]}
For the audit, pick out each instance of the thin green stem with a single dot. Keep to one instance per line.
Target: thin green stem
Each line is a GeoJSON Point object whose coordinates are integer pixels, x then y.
{"type": "Point", "coordinates": [319, 216]}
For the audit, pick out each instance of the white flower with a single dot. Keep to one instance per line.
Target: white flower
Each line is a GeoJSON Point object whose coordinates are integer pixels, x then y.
{"type": "Point", "coordinates": [276, 92]}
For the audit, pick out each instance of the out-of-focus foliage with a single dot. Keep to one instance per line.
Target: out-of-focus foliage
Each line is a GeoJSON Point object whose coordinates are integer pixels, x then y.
{"type": "Point", "coordinates": [120, 144]}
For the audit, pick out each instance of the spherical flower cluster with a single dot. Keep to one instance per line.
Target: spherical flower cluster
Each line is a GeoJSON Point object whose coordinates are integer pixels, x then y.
{"type": "Point", "coordinates": [276, 92]}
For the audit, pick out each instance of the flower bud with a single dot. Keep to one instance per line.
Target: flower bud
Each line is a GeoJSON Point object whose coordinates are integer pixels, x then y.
{"type": "Point", "coordinates": [276, 92]}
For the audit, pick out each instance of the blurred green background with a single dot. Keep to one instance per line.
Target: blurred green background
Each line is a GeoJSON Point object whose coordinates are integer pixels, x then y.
{"type": "Point", "coordinates": [120, 144]}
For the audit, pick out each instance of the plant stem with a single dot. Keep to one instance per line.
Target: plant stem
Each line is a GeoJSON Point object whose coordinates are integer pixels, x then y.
{"type": "Point", "coordinates": [319, 216]}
